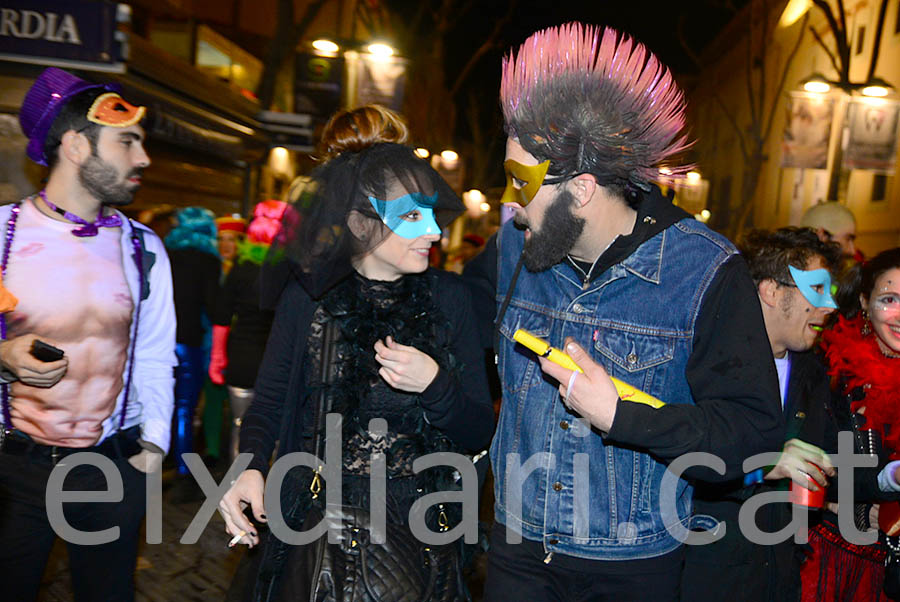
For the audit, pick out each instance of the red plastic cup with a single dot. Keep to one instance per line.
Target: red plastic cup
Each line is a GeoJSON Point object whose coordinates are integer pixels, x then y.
{"type": "Point", "coordinates": [802, 496]}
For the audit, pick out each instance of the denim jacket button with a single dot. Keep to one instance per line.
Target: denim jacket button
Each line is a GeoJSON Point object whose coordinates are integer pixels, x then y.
{"type": "Point", "coordinates": [631, 359]}
{"type": "Point", "coordinates": [557, 486]}
{"type": "Point", "coordinates": [552, 542]}
{"type": "Point", "coordinates": [564, 425]}
{"type": "Point", "coordinates": [578, 308]}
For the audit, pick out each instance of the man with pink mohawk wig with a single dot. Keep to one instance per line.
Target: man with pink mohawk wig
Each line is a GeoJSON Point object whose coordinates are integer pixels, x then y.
{"type": "Point", "coordinates": [630, 287]}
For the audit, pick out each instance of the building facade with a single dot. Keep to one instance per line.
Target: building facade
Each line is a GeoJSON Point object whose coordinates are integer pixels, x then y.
{"type": "Point", "coordinates": [808, 139]}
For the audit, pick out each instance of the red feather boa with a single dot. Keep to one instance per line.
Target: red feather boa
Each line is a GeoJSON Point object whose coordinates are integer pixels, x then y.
{"type": "Point", "coordinates": [858, 362]}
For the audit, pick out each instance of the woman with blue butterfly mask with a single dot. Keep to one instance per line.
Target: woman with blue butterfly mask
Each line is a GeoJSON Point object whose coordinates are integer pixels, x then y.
{"type": "Point", "coordinates": [365, 329]}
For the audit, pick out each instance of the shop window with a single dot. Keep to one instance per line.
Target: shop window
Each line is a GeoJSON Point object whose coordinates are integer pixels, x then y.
{"type": "Point", "coordinates": [222, 58]}
{"type": "Point", "coordinates": [860, 39]}
{"type": "Point", "coordinates": [173, 37]}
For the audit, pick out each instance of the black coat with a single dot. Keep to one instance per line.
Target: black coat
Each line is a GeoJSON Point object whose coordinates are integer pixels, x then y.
{"type": "Point", "coordinates": [734, 568]}
{"type": "Point", "coordinates": [238, 307]}
{"type": "Point", "coordinates": [461, 408]}
{"type": "Point", "coordinates": [195, 280]}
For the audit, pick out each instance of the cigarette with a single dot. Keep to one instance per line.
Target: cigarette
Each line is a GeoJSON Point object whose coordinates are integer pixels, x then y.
{"type": "Point", "coordinates": [236, 538]}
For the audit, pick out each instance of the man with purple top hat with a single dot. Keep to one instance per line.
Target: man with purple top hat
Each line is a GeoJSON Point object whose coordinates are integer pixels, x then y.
{"type": "Point", "coordinates": [88, 329]}
{"type": "Point", "coordinates": [593, 486]}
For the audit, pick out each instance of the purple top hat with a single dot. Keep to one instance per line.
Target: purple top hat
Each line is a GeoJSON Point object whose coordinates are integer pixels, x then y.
{"type": "Point", "coordinates": [45, 99]}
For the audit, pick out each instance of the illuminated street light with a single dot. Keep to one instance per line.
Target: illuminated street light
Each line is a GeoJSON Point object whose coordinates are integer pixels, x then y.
{"type": "Point", "coordinates": [476, 195]}
{"type": "Point", "coordinates": [793, 11]}
{"type": "Point", "coordinates": [665, 171]}
{"type": "Point", "coordinates": [422, 153]}
{"type": "Point", "coordinates": [324, 45]}
{"type": "Point", "coordinates": [280, 160]}
{"type": "Point", "coordinates": [449, 159]}
{"type": "Point", "coordinates": [380, 49]}
{"type": "Point", "coordinates": [876, 87]}
{"type": "Point", "coordinates": [693, 177]}
{"type": "Point", "coordinates": [485, 207]}
{"type": "Point", "coordinates": [875, 91]}
{"type": "Point", "coordinates": [474, 200]}
{"type": "Point", "coordinates": [817, 84]}
{"type": "Point", "coordinates": [705, 214]}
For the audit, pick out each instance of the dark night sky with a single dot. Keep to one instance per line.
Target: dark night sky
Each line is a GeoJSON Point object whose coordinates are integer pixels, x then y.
{"type": "Point", "coordinates": [652, 22]}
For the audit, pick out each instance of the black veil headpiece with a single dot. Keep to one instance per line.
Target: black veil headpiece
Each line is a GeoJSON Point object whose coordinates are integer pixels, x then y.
{"type": "Point", "coordinates": [332, 219]}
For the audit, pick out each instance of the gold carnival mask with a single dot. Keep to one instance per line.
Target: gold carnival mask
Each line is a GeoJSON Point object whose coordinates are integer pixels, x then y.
{"type": "Point", "coordinates": [531, 177]}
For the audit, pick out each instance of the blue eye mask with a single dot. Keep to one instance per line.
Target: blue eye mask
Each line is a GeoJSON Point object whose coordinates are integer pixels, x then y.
{"type": "Point", "coordinates": [806, 282]}
{"type": "Point", "coordinates": [394, 214]}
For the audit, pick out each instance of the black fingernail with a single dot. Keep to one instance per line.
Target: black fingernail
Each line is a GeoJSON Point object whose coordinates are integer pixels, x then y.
{"type": "Point", "coordinates": [262, 516]}
{"type": "Point", "coordinates": [253, 534]}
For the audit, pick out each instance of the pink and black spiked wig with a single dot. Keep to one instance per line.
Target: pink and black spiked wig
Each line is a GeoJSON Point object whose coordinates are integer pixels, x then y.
{"type": "Point", "coordinates": [593, 101]}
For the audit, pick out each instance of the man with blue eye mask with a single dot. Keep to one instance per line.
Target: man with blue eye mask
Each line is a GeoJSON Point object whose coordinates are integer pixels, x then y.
{"type": "Point", "coordinates": [795, 303]}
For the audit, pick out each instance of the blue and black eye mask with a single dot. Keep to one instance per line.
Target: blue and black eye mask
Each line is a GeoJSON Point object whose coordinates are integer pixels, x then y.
{"type": "Point", "coordinates": [408, 216]}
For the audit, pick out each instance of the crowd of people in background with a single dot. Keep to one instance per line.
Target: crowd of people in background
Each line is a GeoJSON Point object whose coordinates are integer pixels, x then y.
{"type": "Point", "coordinates": [322, 326]}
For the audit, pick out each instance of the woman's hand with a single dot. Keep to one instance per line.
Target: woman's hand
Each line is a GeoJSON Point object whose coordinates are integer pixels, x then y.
{"type": "Point", "coordinates": [403, 367]}
{"type": "Point", "coordinates": [246, 490]}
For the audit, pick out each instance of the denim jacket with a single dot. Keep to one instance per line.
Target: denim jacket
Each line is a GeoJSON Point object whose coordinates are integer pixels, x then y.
{"type": "Point", "coordinates": [585, 496]}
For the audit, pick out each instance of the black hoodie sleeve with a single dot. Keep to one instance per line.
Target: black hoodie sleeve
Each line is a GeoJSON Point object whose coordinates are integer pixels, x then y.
{"type": "Point", "coordinates": [733, 381]}
{"type": "Point", "coordinates": [459, 403]}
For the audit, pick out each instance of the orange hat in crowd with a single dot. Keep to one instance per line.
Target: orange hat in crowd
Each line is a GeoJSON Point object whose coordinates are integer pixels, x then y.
{"type": "Point", "coordinates": [233, 224]}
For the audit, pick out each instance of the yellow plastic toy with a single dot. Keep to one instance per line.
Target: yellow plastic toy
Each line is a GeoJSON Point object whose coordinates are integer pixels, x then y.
{"type": "Point", "coordinates": [542, 348]}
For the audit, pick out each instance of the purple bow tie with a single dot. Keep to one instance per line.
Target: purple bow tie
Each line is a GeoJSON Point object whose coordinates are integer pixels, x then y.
{"type": "Point", "coordinates": [87, 228]}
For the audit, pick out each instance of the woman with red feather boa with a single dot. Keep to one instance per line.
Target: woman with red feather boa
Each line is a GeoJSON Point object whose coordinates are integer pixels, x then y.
{"type": "Point", "coordinates": [863, 355]}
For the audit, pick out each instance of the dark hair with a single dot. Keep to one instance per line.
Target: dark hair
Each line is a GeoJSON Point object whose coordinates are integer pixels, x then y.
{"type": "Point", "coordinates": [73, 116]}
{"type": "Point", "coordinates": [861, 280]}
{"type": "Point", "coordinates": [769, 253]}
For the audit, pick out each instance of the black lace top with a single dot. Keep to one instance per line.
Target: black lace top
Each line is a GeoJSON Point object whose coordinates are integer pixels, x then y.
{"type": "Point", "coordinates": [367, 311]}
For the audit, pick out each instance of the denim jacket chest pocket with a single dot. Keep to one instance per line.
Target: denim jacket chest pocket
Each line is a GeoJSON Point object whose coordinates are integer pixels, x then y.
{"type": "Point", "coordinates": [637, 358]}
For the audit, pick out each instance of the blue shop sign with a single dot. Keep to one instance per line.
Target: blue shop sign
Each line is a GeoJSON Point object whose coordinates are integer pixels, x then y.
{"type": "Point", "coordinates": [64, 33]}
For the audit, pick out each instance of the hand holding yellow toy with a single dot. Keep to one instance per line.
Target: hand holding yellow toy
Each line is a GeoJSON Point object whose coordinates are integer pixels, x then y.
{"type": "Point", "coordinates": [542, 348]}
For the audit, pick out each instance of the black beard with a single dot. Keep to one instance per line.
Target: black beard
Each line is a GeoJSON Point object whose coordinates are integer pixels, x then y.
{"type": "Point", "coordinates": [559, 231]}
{"type": "Point", "coordinates": [101, 180]}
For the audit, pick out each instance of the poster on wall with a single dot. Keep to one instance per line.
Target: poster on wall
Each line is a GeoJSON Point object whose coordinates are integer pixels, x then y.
{"type": "Point", "coordinates": [318, 85]}
{"type": "Point", "coordinates": [807, 131]}
{"type": "Point", "coordinates": [379, 80]}
{"type": "Point", "coordinates": [872, 143]}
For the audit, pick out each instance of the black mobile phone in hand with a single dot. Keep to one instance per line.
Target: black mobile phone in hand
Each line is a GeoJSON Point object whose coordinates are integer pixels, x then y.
{"type": "Point", "coordinates": [45, 352]}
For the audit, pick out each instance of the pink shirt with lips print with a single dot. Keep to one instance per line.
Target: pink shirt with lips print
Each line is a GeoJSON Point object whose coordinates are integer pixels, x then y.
{"type": "Point", "coordinates": [72, 291]}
